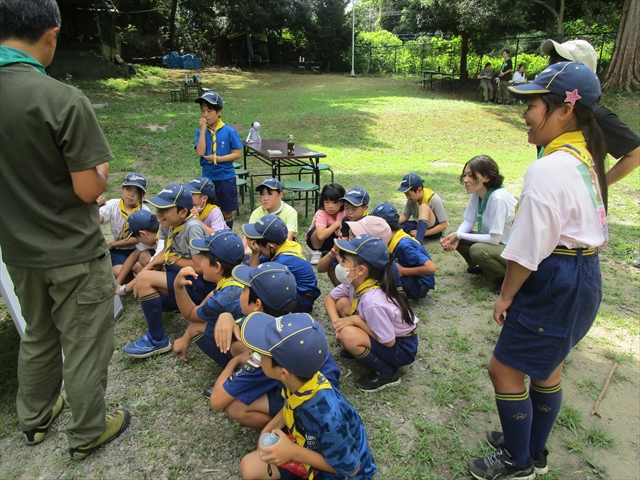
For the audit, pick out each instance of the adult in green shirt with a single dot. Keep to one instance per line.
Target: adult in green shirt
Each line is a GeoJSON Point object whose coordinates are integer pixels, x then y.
{"type": "Point", "coordinates": [53, 156]}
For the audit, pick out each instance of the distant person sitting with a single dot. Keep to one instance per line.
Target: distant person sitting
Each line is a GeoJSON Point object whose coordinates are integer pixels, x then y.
{"type": "Point", "coordinates": [486, 77]}
{"type": "Point", "coordinates": [519, 76]}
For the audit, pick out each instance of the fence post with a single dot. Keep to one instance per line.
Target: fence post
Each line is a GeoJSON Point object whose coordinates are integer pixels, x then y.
{"type": "Point", "coordinates": [395, 56]}
{"type": "Point", "coordinates": [369, 65]}
{"type": "Point", "coordinates": [421, 58]}
{"type": "Point", "coordinates": [515, 61]}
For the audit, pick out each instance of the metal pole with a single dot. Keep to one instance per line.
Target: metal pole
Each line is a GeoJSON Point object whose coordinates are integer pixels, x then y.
{"type": "Point", "coordinates": [353, 36]}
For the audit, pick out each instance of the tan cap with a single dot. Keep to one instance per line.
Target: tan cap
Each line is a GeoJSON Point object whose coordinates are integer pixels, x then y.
{"type": "Point", "coordinates": [573, 50]}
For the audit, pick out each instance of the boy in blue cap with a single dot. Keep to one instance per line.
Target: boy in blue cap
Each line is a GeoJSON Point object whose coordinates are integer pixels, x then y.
{"type": "Point", "coordinates": [242, 389]}
{"type": "Point", "coordinates": [267, 239]}
{"type": "Point", "coordinates": [144, 226]}
{"type": "Point", "coordinates": [154, 284]}
{"type": "Point", "coordinates": [218, 146]}
{"type": "Point", "coordinates": [204, 208]}
{"type": "Point", "coordinates": [425, 206]}
{"type": "Point", "coordinates": [356, 203]}
{"type": "Point", "coordinates": [270, 191]}
{"type": "Point", "coordinates": [328, 436]}
{"type": "Point", "coordinates": [414, 263]}
{"type": "Point", "coordinates": [220, 253]}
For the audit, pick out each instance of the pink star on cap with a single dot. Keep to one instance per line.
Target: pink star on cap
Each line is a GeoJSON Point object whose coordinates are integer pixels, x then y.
{"type": "Point", "coordinates": [572, 97]}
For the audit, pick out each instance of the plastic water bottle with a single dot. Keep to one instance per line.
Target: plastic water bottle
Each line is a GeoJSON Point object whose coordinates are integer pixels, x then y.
{"type": "Point", "coordinates": [186, 79]}
{"type": "Point", "coordinates": [268, 439]}
{"type": "Point", "coordinates": [290, 146]}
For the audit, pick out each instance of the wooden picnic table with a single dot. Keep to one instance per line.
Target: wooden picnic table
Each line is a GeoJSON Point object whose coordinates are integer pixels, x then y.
{"type": "Point", "coordinates": [314, 66]}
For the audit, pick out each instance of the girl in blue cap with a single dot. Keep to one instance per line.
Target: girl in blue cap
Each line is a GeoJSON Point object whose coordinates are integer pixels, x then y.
{"type": "Point", "coordinates": [553, 287]}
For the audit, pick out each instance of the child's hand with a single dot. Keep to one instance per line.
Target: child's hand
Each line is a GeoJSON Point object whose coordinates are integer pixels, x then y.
{"type": "Point", "coordinates": [339, 324]}
{"type": "Point", "coordinates": [282, 452]}
{"type": "Point", "coordinates": [194, 211]}
{"type": "Point", "coordinates": [253, 246]}
{"type": "Point", "coordinates": [181, 347]}
{"type": "Point", "coordinates": [203, 123]}
{"type": "Point", "coordinates": [101, 200]}
{"type": "Point", "coordinates": [224, 330]}
{"type": "Point", "coordinates": [337, 225]}
{"type": "Point", "coordinates": [182, 280]}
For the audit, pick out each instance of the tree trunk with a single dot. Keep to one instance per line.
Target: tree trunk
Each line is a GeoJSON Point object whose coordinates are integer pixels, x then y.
{"type": "Point", "coordinates": [557, 15]}
{"type": "Point", "coordinates": [464, 50]}
{"type": "Point", "coordinates": [623, 71]}
{"type": "Point", "coordinates": [172, 25]}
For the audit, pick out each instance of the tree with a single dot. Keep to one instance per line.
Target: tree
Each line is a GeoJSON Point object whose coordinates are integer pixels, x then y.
{"type": "Point", "coordinates": [330, 35]}
{"type": "Point", "coordinates": [557, 13]}
{"type": "Point", "coordinates": [624, 69]}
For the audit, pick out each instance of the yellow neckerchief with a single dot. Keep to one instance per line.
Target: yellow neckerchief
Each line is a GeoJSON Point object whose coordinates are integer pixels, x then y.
{"type": "Point", "coordinates": [206, 211]}
{"type": "Point", "coordinates": [427, 196]}
{"type": "Point", "coordinates": [173, 231]}
{"type": "Point", "coordinates": [291, 248]}
{"type": "Point", "coordinates": [294, 400]}
{"type": "Point", "coordinates": [214, 132]}
{"type": "Point", "coordinates": [395, 240]}
{"type": "Point", "coordinates": [573, 143]}
{"type": "Point", "coordinates": [368, 284]}
{"type": "Point", "coordinates": [125, 215]}
{"type": "Point", "coordinates": [228, 282]}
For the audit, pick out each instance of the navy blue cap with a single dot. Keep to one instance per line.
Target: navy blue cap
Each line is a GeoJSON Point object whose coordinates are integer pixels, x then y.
{"type": "Point", "coordinates": [270, 227]}
{"type": "Point", "coordinates": [136, 180]}
{"type": "Point", "coordinates": [296, 341]}
{"type": "Point", "coordinates": [387, 212]}
{"type": "Point", "coordinates": [174, 195]}
{"type": "Point", "coordinates": [140, 220]}
{"type": "Point", "coordinates": [224, 244]}
{"type": "Point", "coordinates": [271, 184]}
{"type": "Point", "coordinates": [574, 81]}
{"type": "Point", "coordinates": [356, 196]}
{"type": "Point", "coordinates": [212, 98]}
{"type": "Point", "coordinates": [273, 282]}
{"type": "Point", "coordinates": [201, 185]}
{"type": "Point", "coordinates": [371, 249]}
{"type": "Point", "coordinates": [410, 180]}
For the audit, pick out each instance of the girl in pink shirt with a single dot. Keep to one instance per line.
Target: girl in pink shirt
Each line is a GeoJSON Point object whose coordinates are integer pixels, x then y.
{"type": "Point", "coordinates": [327, 221]}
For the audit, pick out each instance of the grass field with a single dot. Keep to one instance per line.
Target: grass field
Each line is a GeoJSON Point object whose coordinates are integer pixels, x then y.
{"type": "Point", "coordinates": [373, 130]}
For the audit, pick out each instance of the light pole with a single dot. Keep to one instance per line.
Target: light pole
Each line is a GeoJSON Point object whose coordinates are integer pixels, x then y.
{"type": "Point", "coordinates": [353, 36]}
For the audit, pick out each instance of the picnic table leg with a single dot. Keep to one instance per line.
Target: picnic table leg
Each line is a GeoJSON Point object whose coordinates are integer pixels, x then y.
{"type": "Point", "coordinates": [317, 177]}
{"type": "Point", "coordinates": [244, 154]}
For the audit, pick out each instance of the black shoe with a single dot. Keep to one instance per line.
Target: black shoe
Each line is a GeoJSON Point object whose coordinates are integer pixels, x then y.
{"type": "Point", "coordinates": [500, 465]}
{"type": "Point", "coordinates": [207, 391]}
{"type": "Point", "coordinates": [474, 270]}
{"type": "Point", "coordinates": [344, 353]}
{"type": "Point", "coordinates": [496, 440]}
{"type": "Point", "coordinates": [374, 381]}
{"type": "Point", "coordinates": [35, 436]}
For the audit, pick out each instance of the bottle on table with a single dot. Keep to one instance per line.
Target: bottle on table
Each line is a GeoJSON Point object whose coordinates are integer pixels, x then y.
{"type": "Point", "coordinates": [290, 146]}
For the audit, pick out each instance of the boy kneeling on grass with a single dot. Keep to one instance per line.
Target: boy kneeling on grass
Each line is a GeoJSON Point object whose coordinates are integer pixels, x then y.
{"type": "Point", "coordinates": [327, 435]}
{"type": "Point", "coordinates": [220, 253]}
{"type": "Point", "coordinates": [242, 389]}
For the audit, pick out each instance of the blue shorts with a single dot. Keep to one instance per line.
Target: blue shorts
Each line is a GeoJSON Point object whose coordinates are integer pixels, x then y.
{"type": "Point", "coordinates": [249, 383]}
{"type": "Point", "coordinates": [414, 287]}
{"type": "Point", "coordinates": [551, 313]}
{"type": "Point", "coordinates": [198, 289]}
{"type": "Point", "coordinates": [209, 347]}
{"type": "Point", "coordinates": [327, 244]}
{"type": "Point", "coordinates": [413, 225]}
{"type": "Point", "coordinates": [304, 303]}
{"type": "Point", "coordinates": [402, 353]}
{"type": "Point", "coordinates": [227, 193]}
{"type": "Point", "coordinates": [119, 256]}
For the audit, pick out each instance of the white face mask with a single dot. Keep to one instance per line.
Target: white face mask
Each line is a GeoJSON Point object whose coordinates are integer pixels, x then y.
{"type": "Point", "coordinates": [342, 275]}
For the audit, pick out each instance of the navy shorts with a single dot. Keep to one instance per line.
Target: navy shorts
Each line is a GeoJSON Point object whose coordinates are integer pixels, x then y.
{"type": "Point", "coordinates": [402, 353]}
{"type": "Point", "coordinates": [413, 225]}
{"type": "Point", "coordinates": [198, 290]}
{"type": "Point", "coordinates": [209, 347]}
{"type": "Point", "coordinates": [119, 256]}
{"type": "Point", "coordinates": [227, 193]}
{"type": "Point", "coordinates": [551, 313]}
{"type": "Point", "coordinates": [304, 303]}
{"type": "Point", "coordinates": [413, 287]}
{"type": "Point", "coordinates": [326, 246]}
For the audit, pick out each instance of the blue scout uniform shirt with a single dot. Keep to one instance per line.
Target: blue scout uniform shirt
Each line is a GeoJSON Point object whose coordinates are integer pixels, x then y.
{"type": "Point", "coordinates": [306, 280]}
{"type": "Point", "coordinates": [410, 253]}
{"type": "Point", "coordinates": [225, 300]}
{"type": "Point", "coordinates": [333, 428]}
{"type": "Point", "coordinates": [227, 140]}
{"type": "Point", "coordinates": [249, 382]}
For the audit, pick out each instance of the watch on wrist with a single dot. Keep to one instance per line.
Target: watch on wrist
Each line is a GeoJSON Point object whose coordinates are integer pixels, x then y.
{"type": "Point", "coordinates": [123, 289]}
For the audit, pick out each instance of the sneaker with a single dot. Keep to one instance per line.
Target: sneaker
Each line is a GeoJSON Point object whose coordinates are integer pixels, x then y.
{"type": "Point", "coordinates": [496, 440]}
{"type": "Point", "coordinates": [207, 391]}
{"type": "Point", "coordinates": [500, 465]}
{"type": "Point", "coordinates": [117, 422]}
{"type": "Point", "coordinates": [35, 436]}
{"type": "Point", "coordinates": [374, 381]}
{"type": "Point", "coordinates": [316, 255]}
{"type": "Point", "coordinates": [474, 270]}
{"type": "Point", "coordinates": [146, 346]}
{"type": "Point", "coordinates": [344, 353]}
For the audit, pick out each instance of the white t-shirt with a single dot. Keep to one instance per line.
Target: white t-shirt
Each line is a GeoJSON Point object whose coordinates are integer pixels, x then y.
{"type": "Point", "coordinates": [110, 213]}
{"type": "Point", "coordinates": [497, 217]}
{"type": "Point", "coordinates": [519, 77]}
{"type": "Point", "coordinates": [559, 205]}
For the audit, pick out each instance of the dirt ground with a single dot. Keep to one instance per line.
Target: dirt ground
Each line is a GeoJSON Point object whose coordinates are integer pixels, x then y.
{"type": "Point", "coordinates": [174, 434]}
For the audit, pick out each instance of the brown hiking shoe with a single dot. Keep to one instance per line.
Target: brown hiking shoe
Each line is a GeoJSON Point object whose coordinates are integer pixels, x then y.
{"type": "Point", "coordinates": [117, 422]}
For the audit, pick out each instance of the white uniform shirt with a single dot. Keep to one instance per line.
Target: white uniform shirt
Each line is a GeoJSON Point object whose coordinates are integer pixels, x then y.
{"type": "Point", "coordinates": [497, 217]}
{"type": "Point", "coordinates": [110, 213]}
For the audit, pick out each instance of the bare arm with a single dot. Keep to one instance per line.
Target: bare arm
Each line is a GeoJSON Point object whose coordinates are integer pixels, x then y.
{"type": "Point", "coordinates": [624, 166]}
{"type": "Point", "coordinates": [89, 184]}
{"type": "Point", "coordinates": [427, 269]}
{"type": "Point", "coordinates": [437, 229]}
